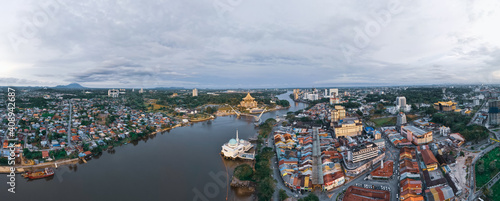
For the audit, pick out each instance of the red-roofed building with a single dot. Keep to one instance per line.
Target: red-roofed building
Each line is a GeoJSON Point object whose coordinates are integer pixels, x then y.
{"type": "Point", "coordinates": [333, 180]}
{"type": "Point", "coordinates": [75, 138]}
{"type": "Point", "coordinates": [354, 193]}
{"type": "Point", "coordinates": [45, 154]}
{"type": "Point", "coordinates": [430, 160]}
{"type": "Point", "coordinates": [383, 173]}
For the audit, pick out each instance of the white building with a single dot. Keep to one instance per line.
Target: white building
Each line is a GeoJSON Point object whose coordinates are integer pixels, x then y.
{"type": "Point", "coordinates": [444, 131]}
{"type": "Point", "coordinates": [476, 102]}
{"type": "Point", "coordinates": [401, 119]}
{"type": "Point", "coordinates": [334, 93]}
{"type": "Point", "coordinates": [312, 96]}
{"type": "Point", "coordinates": [113, 93]}
{"type": "Point", "coordinates": [400, 105]}
{"type": "Point", "coordinates": [195, 92]}
{"type": "Point", "coordinates": [235, 148]}
{"type": "Point", "coordinates": [400, 101]}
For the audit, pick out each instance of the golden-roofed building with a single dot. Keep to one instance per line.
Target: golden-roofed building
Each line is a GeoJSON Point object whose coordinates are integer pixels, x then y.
{"type": "Point", "coordinates": [445, 106]}
{"type": "Point", "coordinates": [248, 102]}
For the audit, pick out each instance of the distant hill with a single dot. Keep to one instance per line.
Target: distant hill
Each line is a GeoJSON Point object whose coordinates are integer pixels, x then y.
{"type": "Point", "coordinates": [169, 88]}
{"type": "Point", "coordinates": [70, 86]}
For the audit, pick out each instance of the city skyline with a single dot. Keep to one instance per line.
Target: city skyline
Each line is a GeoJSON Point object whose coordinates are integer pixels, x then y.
{"type": "Point", "coordinates": [249, 44]}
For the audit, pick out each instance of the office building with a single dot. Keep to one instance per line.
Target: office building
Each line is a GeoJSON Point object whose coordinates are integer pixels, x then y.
{"type": "Point", "coordinates": [400, 102]}
{"type": "Point", "coordinates": [338, 113]}
{"type": "Point", "coordinates": [363, 152]}
{"type": "Point", "coordinates": [401, 119]}
{"type": "Point", "coordinates": [416, 135]}
{"type": "Point", "coordinates": [494, 112]}
{"type": "Point", "coordinates": [334, 93]}
{"type": "Point", "coordinates": [113, 93]}
{"type": "Point", "coordinates": [348, 127]}
{"type": "Point", "coordinates": [296, 94]}
{"type": "Point", "coordinates": [195, 92]}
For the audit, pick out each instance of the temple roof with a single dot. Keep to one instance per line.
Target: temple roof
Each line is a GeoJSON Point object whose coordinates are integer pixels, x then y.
{"type": "Point", "coordinates": [249, 97]}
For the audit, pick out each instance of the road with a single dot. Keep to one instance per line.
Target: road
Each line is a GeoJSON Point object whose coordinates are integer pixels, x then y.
{"type": "Point", "coordinates": [392, 153]}
{"type": "Point", "coordinates": [69, 123]}
{"type": "Point", "coordinates": [483, 106]}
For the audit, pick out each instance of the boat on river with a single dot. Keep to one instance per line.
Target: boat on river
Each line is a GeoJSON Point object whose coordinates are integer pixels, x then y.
{"type": "Point", "coordinates": [47, 172]}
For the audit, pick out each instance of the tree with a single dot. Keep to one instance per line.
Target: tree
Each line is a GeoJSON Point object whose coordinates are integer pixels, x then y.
{"type": "Point", "coordinates": [283, 103]}
{"type": "Point", "coordinates": [310, 197]}
{"type": "Point", "coordinates": [284, 123]}
{"type": "Point", "coordinates": [414, 107]}
{"type": "Point", "coordinates": [282, 195]}
{"type": "Point", "coordinates": [480, 169]}
{"type": "Point", "coordinates": [430, 111]}
{"type": "Point", "coordinates": [493, 165]}
{"type": "Point", "coordinates": [243, 172]}
{"type": "Point", "coordinates": [265, 189]}
{"type": "Point", "coordinates": [4, 161]}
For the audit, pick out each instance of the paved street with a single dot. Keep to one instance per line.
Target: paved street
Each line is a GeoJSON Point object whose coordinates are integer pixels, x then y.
{"type": "Point", "coordinates": [392, 153]}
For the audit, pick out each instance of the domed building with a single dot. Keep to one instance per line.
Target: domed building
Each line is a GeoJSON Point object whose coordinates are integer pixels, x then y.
{"type": "Point", "coordinates": [248, 102]}
{"type": "Point", "coordinates": [235, 148]}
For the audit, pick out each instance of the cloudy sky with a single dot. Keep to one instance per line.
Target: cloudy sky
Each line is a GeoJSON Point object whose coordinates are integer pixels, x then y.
{"type": "Point", "coordinates": [249, 43]}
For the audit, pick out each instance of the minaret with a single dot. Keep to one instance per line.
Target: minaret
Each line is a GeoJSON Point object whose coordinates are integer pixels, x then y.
{"type": "Point", "coordinates": [382, 164]}
{"type": "Point", "coordinates": [237, 139]}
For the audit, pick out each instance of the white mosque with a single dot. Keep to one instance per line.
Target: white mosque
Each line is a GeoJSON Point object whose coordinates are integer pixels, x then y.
{"type": "Point", "coordinates": [236, 148]}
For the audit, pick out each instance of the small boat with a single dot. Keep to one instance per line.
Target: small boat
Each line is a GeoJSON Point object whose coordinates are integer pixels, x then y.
{"type": "Point", "coordinates": [47, 172]}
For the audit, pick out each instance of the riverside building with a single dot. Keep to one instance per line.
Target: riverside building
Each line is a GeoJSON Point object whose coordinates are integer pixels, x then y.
{"type": "Point", "coordinates": [237, 148]}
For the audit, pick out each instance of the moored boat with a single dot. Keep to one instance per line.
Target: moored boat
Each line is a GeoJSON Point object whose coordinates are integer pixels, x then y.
{"type": "Point", "coordinates": [47, 172]}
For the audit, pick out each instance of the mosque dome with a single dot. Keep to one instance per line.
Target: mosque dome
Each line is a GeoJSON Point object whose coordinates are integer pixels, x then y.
{"type": "Point", "coordinates": [233, 142]}
{"type": "Point", "coordinates": [242, 141]}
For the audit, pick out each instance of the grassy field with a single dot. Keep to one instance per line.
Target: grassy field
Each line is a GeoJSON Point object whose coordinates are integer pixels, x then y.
{"type": "Point", "coordinates": [411, 117]}
{"type": "Point", "coordinates": [484, 177]}
{"type": "Point", "coordinates": [384, 121]}
{"type": "Point", "coordinates": [155, 106]}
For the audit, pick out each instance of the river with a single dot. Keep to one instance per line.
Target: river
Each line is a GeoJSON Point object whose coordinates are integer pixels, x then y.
{"type": "Point", "coordinates": [182, 164]}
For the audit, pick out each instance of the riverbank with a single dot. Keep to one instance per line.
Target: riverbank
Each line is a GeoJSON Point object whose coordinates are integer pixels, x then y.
{"type": "Point", "coordinates": [165, 129]}
{"type": "Point", "coordinates": [24, 168]}
{"type": "Point", "coordinates": [204, 119]}
{"type": "Point", "coordinates": [221, 114]}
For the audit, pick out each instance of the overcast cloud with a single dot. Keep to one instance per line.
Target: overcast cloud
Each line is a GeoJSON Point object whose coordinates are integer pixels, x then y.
{"type": "Point", "coordinates": [249, 43]}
